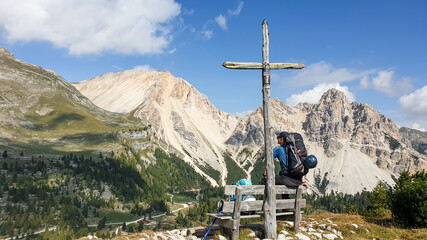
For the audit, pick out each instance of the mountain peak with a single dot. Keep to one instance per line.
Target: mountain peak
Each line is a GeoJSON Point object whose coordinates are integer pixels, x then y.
{"type": "Point", "coordinates": [5, 53]}
{"type": "Point", "coordinates": [333, 95]}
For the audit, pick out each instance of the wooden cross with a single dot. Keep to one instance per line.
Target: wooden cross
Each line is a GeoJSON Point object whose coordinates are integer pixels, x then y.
{"type": "Point", "coordinates": [270, 203]}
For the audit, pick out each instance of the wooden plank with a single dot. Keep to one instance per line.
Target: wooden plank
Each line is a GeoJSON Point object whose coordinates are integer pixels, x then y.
{"type": "Point", "coordinates": [228, 223]}
{"type": "Point", "coordinates": [236, 210]}
{"type": "Point", "coordinates": [253, 65]}
{"type": "Point", "coordinates": [256, 215]}
{"type": "Point", "coordinates": [259, 190]}
{"type": "Point", "coordinates": [298, 205]}
{"type": "Point", "coordinates": [246, 206]}
{"type": "Point", "coordinates": [286, 204]}
{"type": "Point", "coordinates": [249, 206]}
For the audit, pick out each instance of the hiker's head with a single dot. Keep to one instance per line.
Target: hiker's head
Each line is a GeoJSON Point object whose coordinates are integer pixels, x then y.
{"type": "Point", "coordinates": [281, 137]}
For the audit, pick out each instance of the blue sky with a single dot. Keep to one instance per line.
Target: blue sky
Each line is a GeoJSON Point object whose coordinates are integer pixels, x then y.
{"type": "Point", "coordinates": [374, 51]}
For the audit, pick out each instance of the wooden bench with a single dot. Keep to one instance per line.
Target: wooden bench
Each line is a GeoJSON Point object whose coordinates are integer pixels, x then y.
{"type": "Point", "coordinates": [230, 216]}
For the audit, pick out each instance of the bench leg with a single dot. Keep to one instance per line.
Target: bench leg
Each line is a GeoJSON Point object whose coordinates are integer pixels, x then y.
{"type": "Point", "coordinates": [297, 214]}
{"type": "Point", "coordinates": [235, 232]}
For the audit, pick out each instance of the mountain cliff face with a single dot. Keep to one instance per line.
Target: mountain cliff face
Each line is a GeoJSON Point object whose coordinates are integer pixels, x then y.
{"type": "Point", "coordinates": [181, 115]}
{"type": "Point", "coordinates": [356, 145]}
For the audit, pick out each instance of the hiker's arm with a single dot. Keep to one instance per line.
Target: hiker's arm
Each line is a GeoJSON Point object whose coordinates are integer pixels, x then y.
{"type": "Point", "coordinates": [275, 155]}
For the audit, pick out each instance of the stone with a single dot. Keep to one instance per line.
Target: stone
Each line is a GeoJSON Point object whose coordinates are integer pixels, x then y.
{"type": "Point", "coordinates": [184, 232]}
{"type": "Point", "coordinates": [355, 226]}
{"type": "Point", "coordinates": [318, 235]}
{"type": "Point", "coordinates": [251, 234]}
{"type": "Point", "coordinates": [281, 237]}
{"type": "Point", "coordinates": [303, 229]}
{"type": "Point", "coordinates": [220, 237]}
{"type": "Point", "coordinates": [330, 236]}
{"type": "Point", "coordinates": [322, 226]}
{"type": "Point", "coordinates": [302, 236]}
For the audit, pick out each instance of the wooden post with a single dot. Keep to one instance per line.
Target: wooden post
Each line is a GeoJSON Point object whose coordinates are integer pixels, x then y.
{"type": "Point", "coordinates": [297, 214]}
{"type": "Point", "coordinates": [270, 203]}
{"type": "Point", "coordinates": [236, 213]}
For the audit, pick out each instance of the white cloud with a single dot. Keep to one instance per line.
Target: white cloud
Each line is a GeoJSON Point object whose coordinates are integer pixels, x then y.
{"type": "Point", "coordinates": [314, 95]}
{"type": "Point", "coordinates": [237, 11]}
{"type": "Point", "coordinates": [386, 82]}
{"type": "Point", "coordinates": [146, 68]}
{"type": "Point", "coordinates": [222, 21]}
{"type": "Point", "coordinates": [243, 114]}
{"type": "Point", "coordinates": [323, 72]}
{"type": "Point", "coordinates": [414, 105]}
{"type": "Point", "coordinates": [207, 34]}
{"type": "Point", "coordinates": [172, 51]}
{"type": "Point", "coordinates": [115, 66]}
{"type": "Point", "coordinates": [418, 127]}
{"type": "Point", "coordinates": [91, 27]}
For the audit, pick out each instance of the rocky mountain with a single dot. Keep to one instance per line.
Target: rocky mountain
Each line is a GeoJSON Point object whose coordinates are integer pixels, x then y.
{"type": "Point", "coordinates": [356, 145]}
{"type": "Point", "coordinates": [182, 116]}
{"type": "Point", "coordinates": [417, 138]}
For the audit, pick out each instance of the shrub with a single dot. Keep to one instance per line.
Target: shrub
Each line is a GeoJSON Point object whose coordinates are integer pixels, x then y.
{"type": "Point", "coordinates": [409, 199]}
{"type": "Point", "coordinates": [378, 205]}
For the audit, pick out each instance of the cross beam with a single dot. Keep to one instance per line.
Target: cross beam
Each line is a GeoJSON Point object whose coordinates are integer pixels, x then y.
{"type": "Point", "coordinates": [270, 191]}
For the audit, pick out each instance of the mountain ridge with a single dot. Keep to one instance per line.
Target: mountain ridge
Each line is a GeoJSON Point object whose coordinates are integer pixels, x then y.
{"type": "Point", "coordinates": [332, 127]}
{"type": "Point", "coordinates": [354, 142]}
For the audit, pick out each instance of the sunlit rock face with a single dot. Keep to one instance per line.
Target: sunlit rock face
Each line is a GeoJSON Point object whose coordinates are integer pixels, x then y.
{"type": "Point", "coordinates": [355, 144]}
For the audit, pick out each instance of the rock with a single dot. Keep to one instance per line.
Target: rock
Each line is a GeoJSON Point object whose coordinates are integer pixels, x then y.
{"type": "Point", "coordinates": [311, 230]}
{"type": "Point", "coordinates": [290, 223]}
{"type": "Point", "coordinates": [220, 237]}
{"type": "Point", "coordinates": [175, 232]}
{"type": "Point", "coordinates": [303, 229]}
{"type": "Point", "coordinates": [302, 236]}
{"type": "Point", "coordinates": [309, 226]}
{"type": "Point", "coordinates": [284, 232]}
{"type": "Point", "coordinates": [329, 236]}
{"type": "Point", "coordinates": [355, 226]}
{"type": "Point", "coordinates": [281, 237]}
{"type": "Point", "coordinates": [329, 228]}
{"type": "Point", "coordinates": [322, 226]}
{"type": "Point", "coordinates": [353, 232]}
{"type": "Point", "coordinates": [251, 234]}
{"type": "Point", "coordinates": [184, 232]}
{"type": "Point", "coordinates": [318, 235]}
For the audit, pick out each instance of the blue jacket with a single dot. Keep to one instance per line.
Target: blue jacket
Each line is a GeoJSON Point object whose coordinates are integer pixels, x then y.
{"type": "Point", "coordinates": [279, 152]}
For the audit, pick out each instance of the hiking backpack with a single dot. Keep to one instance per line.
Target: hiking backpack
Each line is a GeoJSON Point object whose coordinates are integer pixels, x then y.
{"type": "Point", "coordinates": [296, 153]}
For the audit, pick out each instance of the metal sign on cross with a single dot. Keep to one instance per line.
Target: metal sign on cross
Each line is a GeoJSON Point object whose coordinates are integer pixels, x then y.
{"type": "Point", "coordinates": [270, 203]}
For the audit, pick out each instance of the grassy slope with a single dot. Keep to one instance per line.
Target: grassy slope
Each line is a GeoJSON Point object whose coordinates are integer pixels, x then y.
{"type": "Point", "coordinates": [366, 230]}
